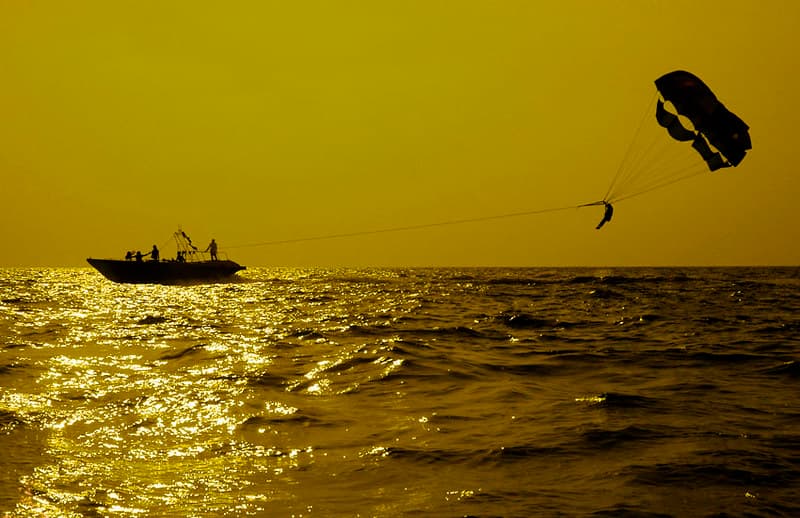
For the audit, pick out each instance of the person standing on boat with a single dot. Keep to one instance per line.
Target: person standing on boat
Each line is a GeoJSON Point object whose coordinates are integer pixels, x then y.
{"type": "Point", "coordinates": [212, 249]}
{"type": "Point", "coordinates": [154, 254]}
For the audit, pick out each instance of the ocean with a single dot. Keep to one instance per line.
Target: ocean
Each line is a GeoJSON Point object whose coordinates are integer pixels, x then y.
{"type": "Point", "coordinates": [402, 392]}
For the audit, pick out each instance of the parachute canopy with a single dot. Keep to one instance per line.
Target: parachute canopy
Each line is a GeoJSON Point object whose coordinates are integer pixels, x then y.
{"type": "Point", "coordinates": [713, 123]}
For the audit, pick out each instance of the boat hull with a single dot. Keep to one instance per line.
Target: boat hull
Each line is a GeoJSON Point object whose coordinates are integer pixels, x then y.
{"type": "Point", "coordinates": [164, 272]}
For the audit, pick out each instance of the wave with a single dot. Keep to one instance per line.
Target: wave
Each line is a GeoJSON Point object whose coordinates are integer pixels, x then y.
{"type": "Point", "coordinates": [184, 352]}
{"type": "Point", "coordinates": [431, 370]}
{"type": "Point", "coordinates": [737, 471]}
{"type": "Point", "coordinates": [517, 281]}
{"type": "Point", "coordinates": [306, 334]}
{"type": "Point", "coordinates": [774, 468]}
{"type": "Point", "coordinates": [368, 330]}
{"type": "Point", "coordinates": [259, 421]}
{"type": "Point", "coordinates": [267, 379]}
{"type": "Point", "coordinates": [789, 368]}
{"type": "Point", "coordinates": [608, 439]}
{"type": "Point", "coordinates": [515, 320]}
{"type": "Point", "coordinates": [152, 319]}
{"type": "Point", "coordinates": [612, 400]}
{"type": "Point", "coordinates": [472, 456]}
{"type": "Point", "coordinates": [522, 369]}
{"type": "Point", "coordinates": [9, 421]}
{"type": "Point", "coordinates": [629, 511]}
{"type": "Point", "coordinates": [449, 333]}
{"type": "Point", "coordinates": [526, 452]}
{"type": "Point", "coordinates": [430, 456]}
{"type": "Point", "coordinates": [690, 475]}
{"type": "Point", "coordinates": [724, 358]}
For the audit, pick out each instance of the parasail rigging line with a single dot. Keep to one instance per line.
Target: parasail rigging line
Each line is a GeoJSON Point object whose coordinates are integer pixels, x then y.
{"type": "Point", "coordinates": [629, 151]}
{"type": "Point", "coordinates": [412, 227]}
{"type": "Point", "coordinates": [652, 162]}
{"type": "Point", "coordinates": [647, 158]}
{"type": "Point", "coordinates": [655, 176]}
{"type": "Point", "coordinates": [664, 183]}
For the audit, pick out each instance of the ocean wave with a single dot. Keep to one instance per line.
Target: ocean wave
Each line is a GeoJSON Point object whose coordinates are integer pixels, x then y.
{"type": "Point", "coordinates": [523, 452]}
{"type": "Point", "coordinates": [604, 438]}
{"type": "Point", "coordinates": [516, 281]}
{"type": "Point", "coordinates": [266, 379]}
{"type": "Point", "coordinates": [522, 369]}
{"type": "Point", "coordinates": [611, 400]}
{"type": "Point", "coordinates": [691, 475]}
{"type": "Point", "coordinates": [260, 421]}
{"type": "Point", "coordinates": [450, 333]}
{"type": "Point", "coordinates": [724, 358]}
{"type": "Point", "coordinates": [737, 472]}
{"type": "Point", "coordinates": [9, 421]}
{"type": "Point", "coordinates": [605, 294]}
{"type": "Point", "coordinates": [152, 319]}
{"type": "Point", "coordinates": [629, 511]}
{"type": "Point", "coordinates": [187, 351]}
{"type": "Point", "coordinates": [615, 280]}
{"type": "Point", "coordinates": [475, 457]}
{"type": "Point", "coordinates": [306, 334]}
{"type": "Point", "coordinates": [790, 368]}
{"type": "Point", "coordinates": [431, 370]}
{"type": "Point", "coordinates": [430, 455]}
{"type": "Point", "coordinates": [516, 320]}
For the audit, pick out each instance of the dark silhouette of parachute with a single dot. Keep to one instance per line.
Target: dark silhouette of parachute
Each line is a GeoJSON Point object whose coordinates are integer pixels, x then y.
{"type": "Point", "coordinates": [713, 123]}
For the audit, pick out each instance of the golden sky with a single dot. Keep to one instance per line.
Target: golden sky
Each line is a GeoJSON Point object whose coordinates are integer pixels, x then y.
{"type": "Point", "coordinates": [261, 121]}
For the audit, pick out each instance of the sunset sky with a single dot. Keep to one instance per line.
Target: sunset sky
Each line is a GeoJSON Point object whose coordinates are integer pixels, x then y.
{"type": "Point", "coordinates": [261, 121]}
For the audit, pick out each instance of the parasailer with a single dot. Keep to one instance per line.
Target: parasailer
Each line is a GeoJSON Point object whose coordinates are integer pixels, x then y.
{"type": "Point", "coordinates": [607, 214]}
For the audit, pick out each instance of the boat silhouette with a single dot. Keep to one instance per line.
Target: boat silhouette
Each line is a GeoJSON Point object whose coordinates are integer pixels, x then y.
{"type": "Point", "coordinates": [189, 265]}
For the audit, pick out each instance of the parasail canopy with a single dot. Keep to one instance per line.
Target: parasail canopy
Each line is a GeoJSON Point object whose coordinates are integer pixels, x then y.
{"type": "Point", "coordinates": [691, 114]}
{"type": "Point", "coordinates": [713, 123]}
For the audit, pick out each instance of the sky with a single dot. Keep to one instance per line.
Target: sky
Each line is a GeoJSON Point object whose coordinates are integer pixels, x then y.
{"type": "Point", "coordinates": [254, 122]}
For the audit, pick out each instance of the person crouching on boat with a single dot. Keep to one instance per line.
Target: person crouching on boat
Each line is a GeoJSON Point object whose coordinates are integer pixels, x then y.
{"type": "Point", "coordinates": [212, 249]}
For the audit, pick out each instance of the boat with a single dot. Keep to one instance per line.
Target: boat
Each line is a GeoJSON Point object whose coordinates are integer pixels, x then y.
{"type": "Point", "coordinates": [190, 265]}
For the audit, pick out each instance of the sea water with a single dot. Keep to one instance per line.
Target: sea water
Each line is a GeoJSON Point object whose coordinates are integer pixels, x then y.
{"type": "Point", "coordinates": [402, 392]}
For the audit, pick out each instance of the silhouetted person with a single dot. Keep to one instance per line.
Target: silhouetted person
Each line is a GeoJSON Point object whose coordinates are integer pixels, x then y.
{"type": "Point", "coordinates": [606, 215]}
{"type": "Point", "coordinates": [212, 249]}
{"type": "Point", "coordinates": [138, 256]}
{"type": "Point", "coordinates": [129, 256]}
{"type": "Point", "coordinates": [154, 254]}
{"type": "Point", "coordinates": [181, 257]}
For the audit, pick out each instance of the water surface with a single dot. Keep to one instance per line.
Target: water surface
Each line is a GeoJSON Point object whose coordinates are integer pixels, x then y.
{"type": "Point", "coordinates": [429, 392]}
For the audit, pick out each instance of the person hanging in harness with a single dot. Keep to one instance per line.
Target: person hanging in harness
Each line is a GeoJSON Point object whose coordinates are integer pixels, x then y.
{"type": "Point", "coordinates": [609, 212]}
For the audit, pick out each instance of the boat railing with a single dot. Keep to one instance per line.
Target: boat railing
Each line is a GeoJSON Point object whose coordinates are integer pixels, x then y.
{"type": "Point", "coordinates": [189, 253]}
{"type": "Point", "coordinates": [195, 256]}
